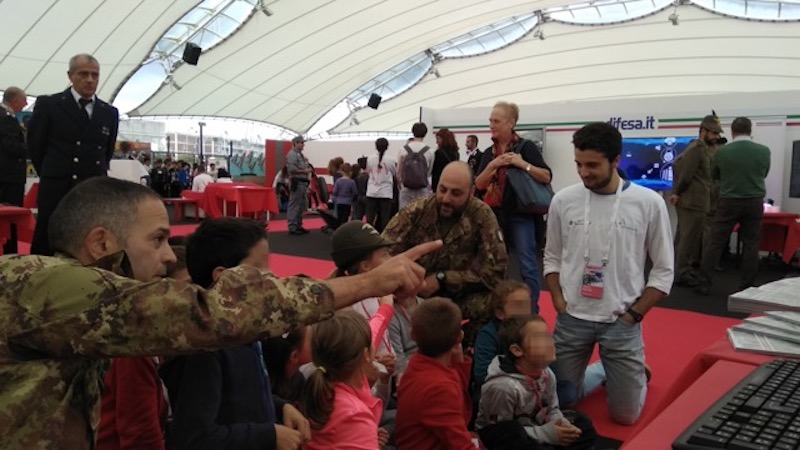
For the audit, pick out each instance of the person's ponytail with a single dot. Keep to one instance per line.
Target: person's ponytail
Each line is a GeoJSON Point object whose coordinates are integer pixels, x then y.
{"type": "Point", "coordinates": [317, 398]}
{"type": "Point", "coordinates": [338, 348]}
{"type": "Point", "coordinates": [381, 144]}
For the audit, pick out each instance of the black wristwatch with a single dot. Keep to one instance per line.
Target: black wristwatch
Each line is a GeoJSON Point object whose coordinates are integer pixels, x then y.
{"type": "Point", "coordinates": [636, 316]}
{"type": "Point", "coordinates": [441, 277]}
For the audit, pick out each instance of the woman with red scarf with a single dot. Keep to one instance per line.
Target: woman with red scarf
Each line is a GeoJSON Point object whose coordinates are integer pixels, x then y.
{"type": "Point", "coordinates": [510, 152]}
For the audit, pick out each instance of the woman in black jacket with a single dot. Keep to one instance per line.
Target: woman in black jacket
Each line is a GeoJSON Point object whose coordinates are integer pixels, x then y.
{"type": "Point", "coordinates": [446, 153]}
{"type": "Point", "coordinates": [511, 152]}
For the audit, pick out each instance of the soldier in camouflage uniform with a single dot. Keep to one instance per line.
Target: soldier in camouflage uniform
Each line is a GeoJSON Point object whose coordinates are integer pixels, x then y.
{"type": "Point", "coordinates": [690, 196]}
{"type": "Point", "coordinates": [473, 259]}
{"type": "Point", "coordinates": [61, 317]}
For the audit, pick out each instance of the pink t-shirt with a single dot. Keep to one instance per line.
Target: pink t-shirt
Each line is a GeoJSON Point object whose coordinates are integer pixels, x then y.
{"type": "Point", "coordinates": [353, 423]}
{"type": "Point", "coordinates": [356, 412]}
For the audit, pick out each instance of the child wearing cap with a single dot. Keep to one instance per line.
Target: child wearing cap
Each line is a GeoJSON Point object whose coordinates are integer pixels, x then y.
{"type": "Point", "coordinates": [519, 407]}
{"type": "Point", "coordinates": [433, 407]}
{"type": "Point", "coordinates": [359, 248]}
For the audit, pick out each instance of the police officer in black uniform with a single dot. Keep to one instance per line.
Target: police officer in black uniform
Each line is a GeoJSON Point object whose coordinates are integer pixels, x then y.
{"type": "Point", "coordinates": [71, 137]}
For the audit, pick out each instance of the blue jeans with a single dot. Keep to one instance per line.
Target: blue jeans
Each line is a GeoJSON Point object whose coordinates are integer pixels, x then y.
{"type": "Point", "coordinates": [622, 356]}
{"type": "Point", "coordinates": [523, 242]}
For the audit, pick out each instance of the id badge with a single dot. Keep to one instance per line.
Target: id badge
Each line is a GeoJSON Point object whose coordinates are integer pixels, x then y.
{"type": "Point", "coordinates": [592, 284]}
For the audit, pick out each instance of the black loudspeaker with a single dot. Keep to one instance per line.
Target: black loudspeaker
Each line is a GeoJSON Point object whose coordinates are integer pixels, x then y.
{"type": "Point", "coordinates": [191, 53]}
{"type": "Point", "coordinates": [374, 101]}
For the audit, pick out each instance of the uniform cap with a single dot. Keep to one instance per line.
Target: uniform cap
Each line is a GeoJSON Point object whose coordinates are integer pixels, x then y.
{"type": "Point", "coordinates": [354, 241]}
{"type": "Point", "coordinates": [298, 139]}
{"type": "Point", "coordinates": [711, 123]}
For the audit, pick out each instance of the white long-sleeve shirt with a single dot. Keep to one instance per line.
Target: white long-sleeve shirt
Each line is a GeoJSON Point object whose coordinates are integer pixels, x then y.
{"type": "Point", "coordinates": [642, 228]}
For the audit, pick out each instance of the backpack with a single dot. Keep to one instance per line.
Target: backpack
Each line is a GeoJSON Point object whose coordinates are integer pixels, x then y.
{"type": "Point", "coordinates": [414, 168]}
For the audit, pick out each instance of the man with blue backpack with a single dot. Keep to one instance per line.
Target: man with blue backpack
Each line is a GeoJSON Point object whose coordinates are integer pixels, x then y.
{"type": "Point", "coordinates": [415, 163]}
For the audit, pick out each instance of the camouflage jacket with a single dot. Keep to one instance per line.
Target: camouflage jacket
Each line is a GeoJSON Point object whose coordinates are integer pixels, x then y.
{"type": "Point", "coordinates": [60, 322]}
{"type": "Point", "coordinates": [473, 257]}
{"type": "Point", "coordinates": [692, 177]}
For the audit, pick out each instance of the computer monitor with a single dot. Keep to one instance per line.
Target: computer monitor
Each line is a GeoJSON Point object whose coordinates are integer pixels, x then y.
{"type": "Point", "coordinates": [648, 161]}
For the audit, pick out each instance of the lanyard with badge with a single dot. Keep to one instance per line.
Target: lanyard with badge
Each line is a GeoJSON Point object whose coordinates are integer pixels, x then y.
{"type": "Point", "coordinates": [593, 274]}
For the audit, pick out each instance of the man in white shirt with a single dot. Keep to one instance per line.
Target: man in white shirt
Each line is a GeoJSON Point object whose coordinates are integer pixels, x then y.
{"type": "Point", "coordinates": [201, 179]}
{"type": "Point", "coordinates": [599, 235]}
{"type": "Point", "coordinates": [416, 144]}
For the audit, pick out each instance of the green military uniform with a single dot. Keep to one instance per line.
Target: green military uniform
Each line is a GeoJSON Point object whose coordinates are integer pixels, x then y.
{"type": "Point", "coordinates": [60, 322]}
{"type": "Point", "coordinates": [692, 183]}
{"type": "Point", "coordinates": [473, 257]}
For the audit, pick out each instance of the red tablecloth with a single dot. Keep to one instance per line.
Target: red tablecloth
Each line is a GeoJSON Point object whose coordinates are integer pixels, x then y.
{"type": "Point", "coordinates": [718, 351]}
{"type": "Point", "coordinates": [780, 233]}
{"type": "Point", "coordinates": [235, 199]}
{"type": "Point", "coordinates": [22, 218]}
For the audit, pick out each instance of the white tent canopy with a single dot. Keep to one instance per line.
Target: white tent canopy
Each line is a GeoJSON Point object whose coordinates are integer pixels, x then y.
{"type": "Point", "coordinates": [39, 38]}
{"type": "Point", "coordinates": [291, 67]}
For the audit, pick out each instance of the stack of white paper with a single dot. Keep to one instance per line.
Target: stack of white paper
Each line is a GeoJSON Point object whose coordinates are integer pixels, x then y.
{"type": "Point", "coordinates": [775, 333]}
{"type": "Point", "coordinates": [780, 295]}
{"type": "Point", "coordinates": [758, 343]}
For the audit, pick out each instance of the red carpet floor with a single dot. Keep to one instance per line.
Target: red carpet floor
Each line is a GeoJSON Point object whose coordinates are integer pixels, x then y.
{"type": "Point", "coordinates": [671, 338]}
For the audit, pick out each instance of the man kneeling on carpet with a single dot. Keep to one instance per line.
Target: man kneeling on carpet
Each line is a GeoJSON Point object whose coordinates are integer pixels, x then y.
{"type": "Point", "coordinates": [600, 235]}
{"type": "Point", "coordinates": [519, 407]}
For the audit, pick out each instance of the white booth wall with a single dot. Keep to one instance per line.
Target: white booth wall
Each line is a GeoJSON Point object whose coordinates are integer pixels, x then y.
{"type": "Point", "coordinates": [775, 116]}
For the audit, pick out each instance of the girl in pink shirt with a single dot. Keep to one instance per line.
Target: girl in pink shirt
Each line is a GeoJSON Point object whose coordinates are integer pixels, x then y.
{"type": "Point", "coordinates": [337, 398]}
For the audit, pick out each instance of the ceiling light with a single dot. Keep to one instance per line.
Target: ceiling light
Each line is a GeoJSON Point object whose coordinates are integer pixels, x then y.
{"type": "Point", "coordinates": [673, 18]}
{"type": "Point", "coordinates": [263, 8]}
{"type": "Point", "coordinates": [170, 81]}
{"type": "Point", "coordinates": [436, 73]}
{"type": "Point", "coordinates": [354, 121]}
{"type": "Point", "coordinates": [539, 34]}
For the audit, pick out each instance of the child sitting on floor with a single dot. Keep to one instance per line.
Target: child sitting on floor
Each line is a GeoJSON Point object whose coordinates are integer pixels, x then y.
{"type": "Point", "coordinates": [433, 407]}
{"type": "Point", "coordinates": [284, 356]}
{"type": "Point", "coordinates": [509, 298]}
{"type": "Point", "coordinates": [337, 398]}
{"type": "Point", "coordinates": [519, 407]}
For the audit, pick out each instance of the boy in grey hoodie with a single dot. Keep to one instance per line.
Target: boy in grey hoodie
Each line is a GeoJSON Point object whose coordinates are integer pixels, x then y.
{"type": "Point", "coordinates": [519, 406]}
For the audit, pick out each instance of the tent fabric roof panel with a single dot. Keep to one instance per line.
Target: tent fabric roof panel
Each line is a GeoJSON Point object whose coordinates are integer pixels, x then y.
{"type": "Point", "coordinates": [43, 35]}
{"type": "Point", "coordinates": [308, 56]}
{"type": "Point", "coordinates": [578, 63]}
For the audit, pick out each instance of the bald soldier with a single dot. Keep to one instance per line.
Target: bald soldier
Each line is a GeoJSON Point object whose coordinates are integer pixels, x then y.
{"type": "Point", "coordinates": [473, 259]}
{"type": "Point", "coordinates": [104, 295]}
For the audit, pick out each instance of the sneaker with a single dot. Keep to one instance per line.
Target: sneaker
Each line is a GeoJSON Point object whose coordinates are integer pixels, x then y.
{"type": "Point", "coordinates": [303, 230]}
{"type": "Point", "coordinates": [296, 232]}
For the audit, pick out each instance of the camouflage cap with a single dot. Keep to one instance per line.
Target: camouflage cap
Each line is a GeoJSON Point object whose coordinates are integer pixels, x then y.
{"type": "Point", "coordinates": [355, 241]}
{"type": "Point", "coordinates": [711, 123]}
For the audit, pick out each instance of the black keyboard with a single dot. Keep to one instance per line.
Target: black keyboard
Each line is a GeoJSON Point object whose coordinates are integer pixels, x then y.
{"type": "Point", "coordinates": [762, 412]}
